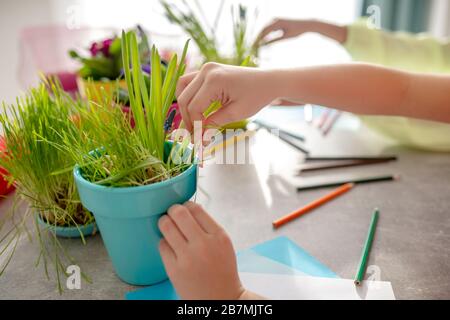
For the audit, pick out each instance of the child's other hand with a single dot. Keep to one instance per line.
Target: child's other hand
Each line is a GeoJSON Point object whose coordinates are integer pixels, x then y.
{"type": "Point", "coordinates": [241, 91]}
{"type": "Point", "coordinates": [198, 255]}
{"type": "Point", "coordinates": [288, 28]}
{"type": "Point", "coordinates": [281, 29]}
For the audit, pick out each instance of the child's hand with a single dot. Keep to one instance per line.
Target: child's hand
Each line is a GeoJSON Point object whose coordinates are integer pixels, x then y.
{"type": "Point", "coordinates": [293, 28]}
{"type": "Point", "coordinates": [241, 91]}
{"type": "Point", "coordinates": [289, 29]}
{"type": "Point", "coordinates": [198, 255]}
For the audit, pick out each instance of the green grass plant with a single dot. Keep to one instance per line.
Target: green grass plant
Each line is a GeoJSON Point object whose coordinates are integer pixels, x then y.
{"type": "Point", "coordinates": [40, 115]}
{"type": "Point", "coordinates": [204, 36]}
{"type": "Point", "coordinates": [126, 156]}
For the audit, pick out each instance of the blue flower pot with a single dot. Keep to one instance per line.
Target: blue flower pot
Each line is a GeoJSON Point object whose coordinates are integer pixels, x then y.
{"type": "Point", "coordinates": [128, 221]}
{"type": "Point", "coordinates": [68, 232]}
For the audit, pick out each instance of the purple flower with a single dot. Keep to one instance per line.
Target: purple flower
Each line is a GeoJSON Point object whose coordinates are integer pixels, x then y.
{"type": "Point", "coordinates": [101, 47]}
{"type": "Point", "coordinates": [94, 49]}
{"type": "Point", "coordinates": [105, 46]}
{"type": "Point", "coordinates": [146, 68]}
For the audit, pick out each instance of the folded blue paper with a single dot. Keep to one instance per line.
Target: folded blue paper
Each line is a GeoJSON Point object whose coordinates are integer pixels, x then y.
{"type": "Point", "coordinates": [287, 252]}
{"type": "Point", "coordinates": [278, 256]}
{"type": "Point", "coordinates": [251, 262]}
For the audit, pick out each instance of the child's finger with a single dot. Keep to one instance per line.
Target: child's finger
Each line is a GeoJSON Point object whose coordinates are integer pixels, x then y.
{"type": "Point", "coordinates": [182, 217]}
{"type": "Point", "coordinates": [184, 81]}
{"type": "Point", "coordinates": [222, 116]}
{"type": "Point", "coordinates": [275, 39]}
{"type": "Point", "coordinates": [199, 103]}
{"type": "Point", "coordinates": [186, 96]}
{"type": "Point", "coordinates": [208, 224]}
{"type": "Point", "coordinates": [167, 254]}
{"type": "Point", "coordinates": [268, 29]}
{"type": "Point", "coordinates": [172, 234]}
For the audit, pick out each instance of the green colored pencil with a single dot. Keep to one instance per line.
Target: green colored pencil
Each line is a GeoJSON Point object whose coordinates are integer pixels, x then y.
{"type": "Point", "coordinates": [366, 250]}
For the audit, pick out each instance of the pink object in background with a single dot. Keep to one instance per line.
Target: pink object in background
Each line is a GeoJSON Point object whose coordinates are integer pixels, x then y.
{"type": "Point", "coordinates": [331, 123]}
{"type": "Point", "coordinates": [67, 79]}
{"type": "Point", "coordinates": [177, 119]}
{"type": "Point", "coordinates": [44, 49]}
{"type": "Point", "coordinates": [4, 187]}
{"type": "Point", "coordinates": [127, 111]}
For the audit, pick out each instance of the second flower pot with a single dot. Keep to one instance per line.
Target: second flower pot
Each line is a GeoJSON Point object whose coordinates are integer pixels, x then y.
{"type": "Point", "coordinates": [85, 87]}
{"type": "Point", "coordinates": [68, 232]}
{"type": "Point", "coordinates": [128, 221]}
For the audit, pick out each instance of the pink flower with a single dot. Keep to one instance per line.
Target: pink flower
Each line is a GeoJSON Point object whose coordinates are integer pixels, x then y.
{"type": "Point", "coordinates": [94, 49]}
{"type": "Point", "coordinates": [177, 119]}
{"type": "Point", "coordinates": [105, 46]}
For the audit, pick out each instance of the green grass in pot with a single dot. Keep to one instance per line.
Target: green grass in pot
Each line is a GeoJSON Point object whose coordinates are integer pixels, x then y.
{"type": "Point", "coordinates": [127, 156]}
{"type": "Point", "coordinates": [44, 113]}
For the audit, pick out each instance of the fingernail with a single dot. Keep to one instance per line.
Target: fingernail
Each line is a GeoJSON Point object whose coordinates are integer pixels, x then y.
{"type": "Point", "coordinates": [162, 219]}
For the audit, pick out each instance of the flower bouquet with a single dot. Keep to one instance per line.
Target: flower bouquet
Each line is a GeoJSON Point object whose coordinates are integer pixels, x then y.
{"type": "Point", "coordinates": [102, 68]}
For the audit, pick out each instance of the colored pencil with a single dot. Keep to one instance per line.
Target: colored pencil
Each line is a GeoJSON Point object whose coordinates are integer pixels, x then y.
{"type": "Point", "coordinates": [357, 181]}
{"type": "Point", "coordinates": [286, 139]}
{"type": "Point", "coordinates": [323, 118]}
{"type": "Point", "coordinates": [227, 142]}
{"type": "Point", "coordinates": [281, 131]}
{"type": "Point", "coordinates": [338, 164]}
{"type": "Point", "coordinates": [366, 249]}
{"type": "Point", "coordinates": [316, 203]}
{"type": "Point", "coordinates": [331, 123]}
{"type": "Point", "coordinates": [284, 136]}
{"type": "Point", "coordinates": [338, 158]}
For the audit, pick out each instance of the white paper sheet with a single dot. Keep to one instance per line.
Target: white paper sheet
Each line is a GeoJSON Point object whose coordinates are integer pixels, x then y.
{"type": "Point", "coordinates": [251, 262]}
{"type": "Point", "coordinates": [293, 287]}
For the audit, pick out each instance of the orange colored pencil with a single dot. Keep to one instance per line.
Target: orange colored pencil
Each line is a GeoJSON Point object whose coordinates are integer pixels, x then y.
{"type": "Point", "coordinates": [316, 203]}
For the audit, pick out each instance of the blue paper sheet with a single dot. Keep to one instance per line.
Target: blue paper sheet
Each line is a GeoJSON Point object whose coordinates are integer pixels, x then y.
{"type": "Point", "coordinates": [280, 256]}
{"type": "Point", "coordinates": [287, 252]}
{"type": "Point", "coordinates": [251, 262]}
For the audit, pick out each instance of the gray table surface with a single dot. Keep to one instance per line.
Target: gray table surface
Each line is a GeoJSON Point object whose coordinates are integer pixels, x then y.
{"type": "Point", "coordinates": [412, 243]}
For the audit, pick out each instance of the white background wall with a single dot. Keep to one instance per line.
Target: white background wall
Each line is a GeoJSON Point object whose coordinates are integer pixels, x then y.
{"type": "Point", "coordinates": [17, 14]}
{"type": "Point", "coordinates": [439, 22]}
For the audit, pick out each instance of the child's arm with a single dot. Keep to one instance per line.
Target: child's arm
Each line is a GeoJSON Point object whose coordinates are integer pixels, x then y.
{"type": "Point", "coordinates": [411, 52]}
{"type": "Point", "coordinates": [357, 88]}
{"type": "Point", "coordinates": [294, 28]}
{"type": "Point", "coordinates": [198, 256]}
{"type": "Point", "coordinates": [370, 89]}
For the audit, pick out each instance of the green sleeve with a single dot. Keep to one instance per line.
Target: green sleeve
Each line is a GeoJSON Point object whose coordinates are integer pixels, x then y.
{"type": "Point", "coordinates": [417, 53]}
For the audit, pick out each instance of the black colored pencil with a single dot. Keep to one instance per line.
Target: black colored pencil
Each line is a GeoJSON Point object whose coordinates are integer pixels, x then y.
{"type": "Point", "coordinates": [357, 181]}
{"type": "Point", "coordinates": [338, 164]}
{"type": "Point", "coordinates": [281, 131]}
{"type": "Point", "coordinates": [361, 158]}
{"type": "Point", "coordinates": [288, 140]}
